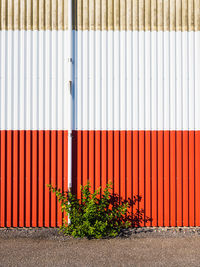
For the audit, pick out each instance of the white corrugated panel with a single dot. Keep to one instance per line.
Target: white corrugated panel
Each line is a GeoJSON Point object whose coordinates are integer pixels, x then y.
{"type": "Point", "coordinates": [137, 80]}
{"type": "Point", "coordinates": [33, 83]}
{"type": "Point", "coordinates": [123, 80]}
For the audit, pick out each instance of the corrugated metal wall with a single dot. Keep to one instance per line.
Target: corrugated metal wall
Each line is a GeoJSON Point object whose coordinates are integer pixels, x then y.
{"type": "Point", "coordinates": [29, 161]}
{"type": "Point", "coordinates": [136, 106]}
{"type": "Point", "coordinates": [162, 167]}
{"type": "Point", "coordinates": [33, 80]}
{"type": "Point", "coordinates": [133, 15]}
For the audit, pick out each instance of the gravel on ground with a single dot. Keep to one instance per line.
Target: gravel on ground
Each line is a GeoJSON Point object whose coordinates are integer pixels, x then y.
{"type": "Point", "coordinates": [140, 247]}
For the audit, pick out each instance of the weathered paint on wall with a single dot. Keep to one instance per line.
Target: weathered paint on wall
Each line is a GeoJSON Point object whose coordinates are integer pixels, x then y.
{"type": "Point", "coordinates": [132, 15]}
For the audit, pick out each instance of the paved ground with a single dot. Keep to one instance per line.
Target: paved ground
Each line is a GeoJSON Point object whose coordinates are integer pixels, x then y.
{"type": "Point", "coordinates": [43, 247]}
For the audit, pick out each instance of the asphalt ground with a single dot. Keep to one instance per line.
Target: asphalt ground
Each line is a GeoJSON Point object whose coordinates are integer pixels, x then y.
{"type": "Point", "coordinates": [141, 247]}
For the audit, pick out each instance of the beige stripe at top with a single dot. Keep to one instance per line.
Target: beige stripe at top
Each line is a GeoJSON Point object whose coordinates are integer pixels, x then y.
{"type": "Point", "coordinates": [141, 15]}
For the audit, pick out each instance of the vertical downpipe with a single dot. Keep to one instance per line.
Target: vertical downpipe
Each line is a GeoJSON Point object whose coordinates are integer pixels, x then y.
{"type": "Point", "coordinates": [70, 94]}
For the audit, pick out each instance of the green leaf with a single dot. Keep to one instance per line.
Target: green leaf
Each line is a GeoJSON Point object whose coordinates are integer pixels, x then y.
{"type": "Point", "coordinates": [93, 215]}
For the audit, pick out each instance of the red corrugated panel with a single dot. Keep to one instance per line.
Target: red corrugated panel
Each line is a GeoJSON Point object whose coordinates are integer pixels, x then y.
{"type": "Point", "coordinates": [129, 169]}
{"type": "Point", "coordinates": [91, 159]}
{"type": "Point", "coordinates": [41, 183]}
{"type": "Point", "coordinates": [185, 178]}
{"type": "Point", "coordinates": [97, 159]}
{"type": "Point", "coordinates": [53, 177]}
{"type": "Point", "coordinates": [79, 161]}
{"type": "Point", "coordinates": [22, 178]}
{"type": "Point", "coordinates": [34, 174]}
{"type": "Point", "coordinates": [191, 184]}
{"type": "Point", "coordinates": [161, 167]}
{"type": "Point", "coordinates": [65, 163]}
{"type": "Point", "coordinates": [3, 178]}
{"type": "Point", "coordinates": [15, 178]}
{"type": "Point", "coordinates": [104, 159]}
{"type": "Point", "coordinates": [154, 173]}
{"type": "Point", "coordinates": [28, 168]}
{"type": "Point", "coordinates": [166, 179]}
{"type": "Point", "coordinates": [9, 176]}
{"type": "Point", "coordinates": [197, 178]}
{"type": "Point", "coordinates": [59, 172]}
{"type": "Point", "coordinates": [179, 178]}
{"type": "Point", "coordinates": [85, 157]}
{"type": "Point", "coordinates": [111, 156]}
{"type": "Point", "coordinates": [116, 175]}
{"type": "Point", "coordinates": [160, 177]}
{"type": "Point", "coordinates": [135, 162]}
{"type": "Point", "coordinates": [172, 155]}
{"type": "Point", "coordinates": [141, 170]}
{"type": "Point", "coordinates": [147, 192]}
{"type": "Point", "coordinates": [47, 178]}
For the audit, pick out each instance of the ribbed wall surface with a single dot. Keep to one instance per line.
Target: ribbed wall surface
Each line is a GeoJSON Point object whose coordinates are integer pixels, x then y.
{"type": "Point", "coordinates": [33, 80]}
{"type": "Point", "coordinates": [34, 14]}
{"type": "Point", "coordinates": [136, 106]}
{"type": "Point", "coordinates": [154, 15]}
{"type": "Point", "coordinates": [123, 80]}
{"type": "Point", "coordinates": [162, 167]}
{"type": "Point", "coordinates": [137, 80]}
{"type": "Point", "coordinates": [30, 160]}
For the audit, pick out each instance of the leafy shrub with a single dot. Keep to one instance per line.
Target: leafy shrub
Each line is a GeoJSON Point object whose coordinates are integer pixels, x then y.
{"type": "Point", "coordinates": [92, 216]}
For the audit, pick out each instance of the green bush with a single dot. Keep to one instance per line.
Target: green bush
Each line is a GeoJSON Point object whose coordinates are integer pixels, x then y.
{"type": "Point", "coordinates": [95, 215]}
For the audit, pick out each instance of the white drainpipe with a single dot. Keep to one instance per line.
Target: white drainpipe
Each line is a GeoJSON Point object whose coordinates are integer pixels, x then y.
{"type": "Point", "coordinates": [70, 94]}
